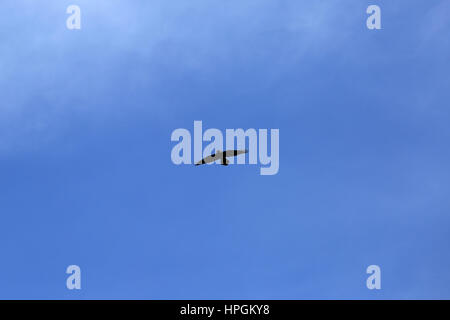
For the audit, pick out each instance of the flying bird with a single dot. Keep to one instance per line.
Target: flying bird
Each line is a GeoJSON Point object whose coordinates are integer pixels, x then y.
{"type": "Point", "coordinates": [219, 155]}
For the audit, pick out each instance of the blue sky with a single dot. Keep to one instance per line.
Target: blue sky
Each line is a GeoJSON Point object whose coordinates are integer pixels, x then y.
{"type": "Point", "coordinates": [85, 124]}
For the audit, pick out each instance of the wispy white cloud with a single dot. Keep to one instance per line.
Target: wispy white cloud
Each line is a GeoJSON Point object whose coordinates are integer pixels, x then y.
{"type": "Point", "coordinates": [129, 49]}
{"type": "Point", "coordinates": [48, 72]}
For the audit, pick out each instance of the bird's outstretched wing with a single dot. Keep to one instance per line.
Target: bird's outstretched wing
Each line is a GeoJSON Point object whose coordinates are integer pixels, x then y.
{"type": "Point", "coordinates": [208, 159]}
{"type": "Point", "coordinates": [233, 153]}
